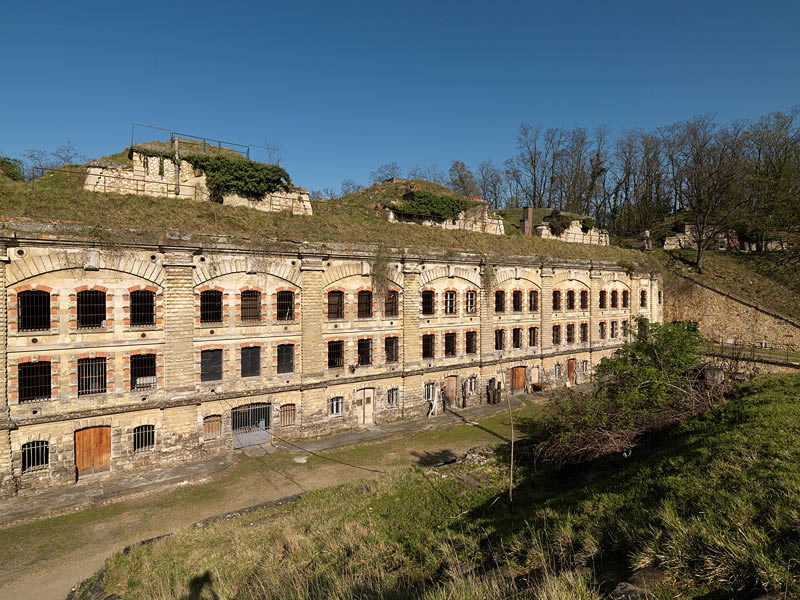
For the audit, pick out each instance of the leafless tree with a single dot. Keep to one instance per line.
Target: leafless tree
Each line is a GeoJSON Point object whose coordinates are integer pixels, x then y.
{"type": "Point", "coordinates": [431, 173]}
{"type": "Point", "coordinates": [490, 184]}
{"type": "Point", "coordinates": [350, 187]}
{"type": "Point", "coordinates": [385, 172]}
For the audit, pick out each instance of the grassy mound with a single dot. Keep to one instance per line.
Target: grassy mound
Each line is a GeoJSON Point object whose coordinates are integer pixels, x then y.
{"type": "Point", "coordinates": [714, 504]}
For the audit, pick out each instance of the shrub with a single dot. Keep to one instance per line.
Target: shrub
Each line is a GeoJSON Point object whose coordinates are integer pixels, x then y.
{"type": "Point", "coordinates": [587, 224]}
{"type": "Point", "coordinates": [557, 222]}
{"type": "Point", "coordinates": [11, 168]}
{"type": "Point", "coordinates": [419, 203]}
{"type": "Point", "coordinates": [247, 178]}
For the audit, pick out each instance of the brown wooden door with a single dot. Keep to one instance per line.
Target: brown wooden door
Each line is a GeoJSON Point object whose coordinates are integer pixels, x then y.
{"type": "Point", "coordinates": [517, 379]}
{"type": "Point", "coordinates": [571, 370]}
{"type": "Point", "coordinates": [92, 449]}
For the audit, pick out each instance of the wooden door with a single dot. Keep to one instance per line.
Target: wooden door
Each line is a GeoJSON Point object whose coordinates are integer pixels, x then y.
{"type": "Point", "coordinates": [92, 450]}
{"type": "Point", "coordinates": [571, 370]}
{"type": "Point", "coordinates": [517, 379]}
{"type": "Point", "coordinates": [451, 391]}
{"type": "Point", "coordinates": [365, 403]}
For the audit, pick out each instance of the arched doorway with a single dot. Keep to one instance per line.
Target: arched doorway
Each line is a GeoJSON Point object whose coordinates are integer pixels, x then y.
{"type": "Point", "coordinates": [93, 450]}
{"type": "Point", "coordinates": [250, 424]}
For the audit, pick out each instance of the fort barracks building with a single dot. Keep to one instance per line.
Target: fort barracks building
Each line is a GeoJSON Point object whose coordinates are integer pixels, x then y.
{"type": "Point", "coordinates": [119, 358]}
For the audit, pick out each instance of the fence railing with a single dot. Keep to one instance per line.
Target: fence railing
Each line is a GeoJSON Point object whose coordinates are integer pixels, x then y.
{"type": "Point", "coordinates": [778, 353]}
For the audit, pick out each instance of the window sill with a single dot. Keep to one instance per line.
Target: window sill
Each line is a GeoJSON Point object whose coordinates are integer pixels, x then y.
{"type": "Point", "coordinates": [35, 332]}
{"type": "Point", "coordinates": [251, 323]}
{"type": "Point", "coordinates": [92, 394]}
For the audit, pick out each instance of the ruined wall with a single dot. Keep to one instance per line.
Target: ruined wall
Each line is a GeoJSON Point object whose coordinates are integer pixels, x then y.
{"type": "Point", "coordinates": [475, 219]}
{"type": "Point", "coordinates": [574, 234]}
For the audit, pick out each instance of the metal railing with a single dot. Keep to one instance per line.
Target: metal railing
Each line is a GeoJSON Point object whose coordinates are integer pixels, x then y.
{"type": "Point", "coordinates": [788, 354]}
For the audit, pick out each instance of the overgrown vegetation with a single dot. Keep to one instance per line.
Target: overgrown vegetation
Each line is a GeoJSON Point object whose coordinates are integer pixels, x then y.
{"type": "Point", "coordinates": [422, 203]}
{"type": "Point", "coordinates": [11, 168]}
{"type": "Point", "coordinates": [557, 222]}
{"type": "Point", "coordinates": [247, 178]}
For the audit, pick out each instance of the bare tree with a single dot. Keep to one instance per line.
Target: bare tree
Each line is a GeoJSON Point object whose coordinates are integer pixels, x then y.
{"type": "Point", "coordinates": [350, 187]}
{"type": "Point", "coordinates": [385, 172]}
{"type": "Point", "coordinates": [431, 173]}
{"type": "Point", "coordinates": [490, 184]}
{"type": "Point", "coordinates": [39, 160]}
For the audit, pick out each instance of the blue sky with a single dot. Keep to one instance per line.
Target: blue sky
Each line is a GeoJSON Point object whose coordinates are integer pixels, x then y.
{"type": "Point", "coordinates": [343, 87]}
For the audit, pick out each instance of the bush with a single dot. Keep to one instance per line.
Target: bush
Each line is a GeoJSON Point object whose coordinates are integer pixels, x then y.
{"type": "Point", "coordinates": [247, 178]}
{"type": "Point", "coordinates": [11, 168]}
{"type": "Point", "coordinates": [419, 203]}
{"type": "Point", "coordinates": [587, 224]}
{"type": "Point", "coordinates": [557, 222]}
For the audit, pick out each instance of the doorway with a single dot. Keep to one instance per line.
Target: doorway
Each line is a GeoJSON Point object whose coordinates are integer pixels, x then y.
{"type": "Point", "coordinates": [571, 370]}
{"type": "Point", "coordinates": [518, 379]}
{"type": "Point", "coordinates": [365, 404]}
{"type": "Point", "coordinates": [451, 392]}
{"type": "Point", "coordinates": [250, 424]}
{"type": "Point", "coordinates": [93, 450]}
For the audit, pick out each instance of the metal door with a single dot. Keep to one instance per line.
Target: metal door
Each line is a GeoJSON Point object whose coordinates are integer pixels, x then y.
{"type": "Point", "coordinates": [250, 424]}
{"type": "Point", "coordinates": [93, 450]}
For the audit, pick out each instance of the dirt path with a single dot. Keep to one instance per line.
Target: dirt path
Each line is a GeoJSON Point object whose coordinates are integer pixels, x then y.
{"type": "Point", "coordinates": [44, 559]}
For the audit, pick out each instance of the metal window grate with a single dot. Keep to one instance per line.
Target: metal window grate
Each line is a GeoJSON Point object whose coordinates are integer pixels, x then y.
{"type": "Point", "coordinates": [35, 456]}
{"type": "Point", "coordinates": [469, 304]}
{"type": "Point", "coordinates": [364, 352]}
{"type": "Point", "coordinates": [336, 305]}
{"type": "Point", "coordinates": [391, 345]}
{"type": "Point", "coordinates": [285, 306]}
{"type": "Point", "coordinates": [428, 342]}
{"type": "Point", "coordinates": [533, 300]}
{"type": "Point", "coordinates": [210, 365]}
{"type": "Point", "coordinates": [533, 336]}
{"type": "Point", "coordinates": [625, 330]}
{"type": "Point", "coordinates": [392, 304]}
{"type": "Point", "coordinates": [584, 332]}
{"type": "Point", "coordinates": [449, 344]}
{"type": "Point", "coordinates": [34, 310]}
{"type": "Point", "coordinates": [450, 303]}
{"type": "Point", "coordinates": [499, 339]}
{"type": "Point", "coordinates": [391, 397]}
{"type": "Point", "coordinates": [571, 333]}
{"type": "Point", "coordinates": [287, 415]}
{"type": "Point", "coordinates": [143, 372]}
{"type": "Point", "coordinates": [499, 301]}
{"type": "Point", "coordinates": [614, 299]}
{"type": "Point", "coordinates": [428, 298]}
{"type": "Point", "coordinates": [364, 305]}
{"type": "Point", "coordinates": [251, 306]}
{"type": "Point", "coordinates": [570, 300]}
{"type": "Point", "coordinates": [556, 300]}
{"type": "Point", "coordinates": [251, 361]}
{"type": "Point", "coordinates": [472, 342]}
{"type": "Point", "coordinates": [584, 300]}
{"type": "Point", "coordinates": [251, 417]}
{"type": "Point", "coordinates": [335, 406]}
{"type": "Point", "coordinates": [625, 299]}
{"type": "Point", "coordinates": [143, 308]}
{"type": "Point", "coordinates": [212, 427]}
{"type": "Point", "coordinates": [603, 330]}
{"type": "Point", "coordinates": [211, 306]}
{"type": "Point", "coordinates": [285, 358]}
{"type": "Point", "coordinates": [556, 335]}
{"type": "Point", "coordinates": [144, 438]}
{"type": "Point", "coordinates": [613, 329]}
{"type": "Point", "coordinates": [516, 301]}
{"type": "Point", "coordinates": [91, 376]}
{"type": "Point", "coordinates": [91, 309]}
{"type": "Point", "coordinates": [335, 355]}
{"type": "Point", "coordinates": [516, 337]}
{"type": "Point", "coordinates": [34, 381]}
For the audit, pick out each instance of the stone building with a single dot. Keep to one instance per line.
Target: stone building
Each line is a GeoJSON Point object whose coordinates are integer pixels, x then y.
{"type": "Point", "coordinates": [122, 358]}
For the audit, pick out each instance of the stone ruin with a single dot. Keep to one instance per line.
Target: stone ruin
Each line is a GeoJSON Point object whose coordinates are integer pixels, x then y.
{"type": "Point", "coordinates": [574, 233]}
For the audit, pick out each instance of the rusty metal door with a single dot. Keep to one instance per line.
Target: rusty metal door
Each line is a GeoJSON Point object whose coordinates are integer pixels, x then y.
{"type": "Point", "coordinates": [92, 450]}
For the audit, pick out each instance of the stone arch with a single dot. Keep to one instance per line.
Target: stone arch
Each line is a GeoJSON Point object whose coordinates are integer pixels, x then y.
{"type": "Point", "coordinates": [355, 268]}
{"type": "Point", "coordinates": [450, 271]}
{"type": "Point", "coordinates": [566, 279]}
{"type": "Point", "coordinates": [503, 275]}
{"type": "Point", "coordinates": [32, 266]}
{"type": "Point", "coordinates": [204, 272]}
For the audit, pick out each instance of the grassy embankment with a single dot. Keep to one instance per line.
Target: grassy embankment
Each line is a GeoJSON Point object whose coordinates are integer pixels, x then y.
{"type": "Point", "coordinates": [714, 503]}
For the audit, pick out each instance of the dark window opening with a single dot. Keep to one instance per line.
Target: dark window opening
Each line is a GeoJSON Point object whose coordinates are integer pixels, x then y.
{"type": "Point", "coordinates": [392, 304]}
{"type": "Point", "coordinates": [212, 427]}
{"type": "Point", "coordinates": [625, 299]}
{"type": "Point", "coordinates": [391, 345]}
{"type": "Point", "coordinates": [516, 301]}
{"type": "Point", "coordinates": [428, 342]}
{"type": "Point", "coordinates": [364, 352]}
{"type": "Point", "coordinates": [584, 300]}
{"type": "Point", "coordinates": [643, 299]}
{"type": "Point", "coordinates": [472, 342]}
{"type": "Point", "coordinates": [499, 339]}
{"type": "Point", "coordinates": [603, 295]}
{"type": "Point", "coordinates": [144, 438]}
{"type": "Point", "coordinates": [143, 308]}
{"type": "Point", "coordinates": [499, 301]}
{"type": "Point", "coordinates": [556, 335]}
{"type": "Point", "coordinates": [571, 300]}
{"type": "Point", "coordinates": [143, 372]}
{"type": "Point", "coordinates": [35, 456]}
{"type": "Point", "coordinates": [427, 302]}
{"type": "Point", "coordinates": [285, 358]}
{"type": "Point", "coordinates": [584, 332]}
{"type": "Point", "coordinates": [211, 365]}
{"type": "Point", "coordinates": [251, 306]}
{"type": "Point", "coordinates": [533, 336]}
{"type": "Point", "coordinates": [659, 296]}
{"type": "Point", "coordinates": [533, 300]}
{"type": "Point", "coordinates": [603, 330]}
{"type": "Point", "coordinates": [211, 306]}
{"type": "Point", "coordinates": [91, 376]}
{"type": "Point", "coordinates": [34, 381]}
{"type": "Point", "coordinates": [391, 397]}
{"type": "Point", "coordinates": [364, 305]}
{"type": "Point", "coordinates": [450, 303]}
{"type": "Point", "coordinates": [335, 355]}
{"type": "Point", "coordinates": [91, 309]}
{"type": "Point", "coordinates": [288, 413]}
{"type": "Point", "coordinates": [614, 299]}
{"type": "Point", "coordinates": [516, 337]}
{"type": "Point", "coordinates": [33, 310]}
{"type": "Point", "coordinates": [251, 361]}
{"type": "Point", "coordinates": [336, 305]}
{"type": "Point", "coordinates": [571, 333]}
{"type": "Point", "coordinates": [556, 300]}
{"type": "Point", "coordinates": [625, 330]}
{"type": "Point", "coordinates": [285, 306]}
{"type": "Point", "coordinates": [449, 344]}
{"type": "Point", "coordinates": [613, 329]}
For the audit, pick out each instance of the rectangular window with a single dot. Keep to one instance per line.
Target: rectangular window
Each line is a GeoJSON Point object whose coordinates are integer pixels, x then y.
{"type": "Point", "coordinates": [625, 329]}
{"type": "Point", "coordinates": [556, 300]}
{"type": "Point", "coordinates": [212, 427]}
{"type": "Point", "coordinates": [391, 347]}
{"type": "Point", "coordinates": [516, 301]}
{"type": "Point", "coordinates": [584, 300]}
{"type": "Point", "coordinates": [659, 296]}
{"type": "Point", "coordinates": [34, 310]}
{"type": "Point", "coordinates": [556, 335]}
{"type": "Point", "coordinates": [211, 306]}
{"type": "Point", "coordinates": [335, 406]}
{"type": "Point", "coordinates": [286, 358]}
{"type": "Point", "coordinates": [91, 309]}
{"type": "Point", "coordinates": [91, 376]}
{"type": "Point", "coordinates": [614, 298]}
{"type": "Point", "coordinates": [499, 339]}
{"type": "Point", "coordinates": [143, 308]}
{"type": "Point", "coordinates": [251, 306]}
{"type": "Point", "coordinates": [533, 336]}
{"type": "Point", "coordinates": [602, 301]}
{"type": "Point", "coordinates": [430, 392]}
{"type": "Point", "coordinates": [571, 300]}
{"type": "Point", "coordinates": [499, 301]}
{"type": "Point", "coordinates": [449, 344]}
{"type": "Point", "coordinates": [428, 302]}
{"type": "Point", "coordinates": [143, 372]}
{"type": "Point", "coordinates": [251, 361]}
{"type": "Point", "coordinates": [364, 352]}
{"type": "Point", "coordinates": [625, 299]}
{"type": "Point", "coordinates": [34, 381]}
{"type": "Point", "coordinates": [392, 304]}
{"type": "Point", "coordinates": [288, 414]}
{"type": "Point", "coordinates": [210, 365]}
{"type": "Point", "coordinates": [643, 299]}
{"type": "Point", "coordinates": [516, 337]}
{"type": "Point", "coordinates": [533, 300]}
{"type": "Point", "coordinates": [335, 355]}
{"type": "Point", "coordinates": [602, 330]}
{"type": "Point", "coordinates": [428, 346]}
{"type": "Point", "coordinates": [450, 303]}
{"type": "Point", "coordinates": [472, 342]}
{"type": "Point", "coordinates": [285, 306]}
{"type": "Point", "coordinates": [472, 384]}
{"type": "Point", "coordinates": [364, 305]}
{"type": "Point", "coordinates": [584, 332]}
{"type": "Point", "coordinates": [391, 397]}
{"type": "Point", "coordinates": [585, 367]}
{"type": "Point", "coordinates": [470, 302]}
{"type": "Point", "coordinates": [35, 456]}
{"type": "Point", "coordinates": [571, 333]}
{"type": "Point", "coordinates": [336, 305]}
{"type": "Point", "coordinates": [613, 329]}
{"type": "Point", "coordinates": [144, 438]}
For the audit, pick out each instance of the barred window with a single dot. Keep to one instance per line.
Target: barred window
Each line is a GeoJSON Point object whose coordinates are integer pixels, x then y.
{"type": "Point", "coordinates": [625, 329]}
{"type": "Point", "coordinates": [472, 384]}
{"type": "Point", "coordinates": [643, 299]}
{"type": "Point", "coordinates": [471, 342]}
{"type": "Point", "coordinates": [428, 346]}
{"type": "Point", "coordinates": [499, 339]}
{"type": "Point", "coordinates": [571, 333]}
{"type": "Point", "coordinates": [391, 397]}
{"type": "Point", "coordinates": [391, 307]}
{"type": "Point", "coordinates": [364, 305]}
{"type": "Point", "coordinates": [470, 302]}
{"type": "Point", "coordinates": [336, 305]}
{"type": "Point", "coordinates": [34, 310]}
{"type": "Point", "coordinates": [251, 361]}
{"type": "Point", "coordinates": [430, 392]}
{"type": "Point", "coordinates": [625, 299]}
{"type": "Point", "coordinates": [251, 306]}
{"type": "Point", "coordinates": [556, 300]}
{"type": "Point", "coordinates": [516, 337]}
{"type": "Point", "coordinates": [602, 330]}
{"type": "Point", "coordinates": [391, 346]}
{"type": "Point", "coordinates": [91, 376]}
{"type": "Point", "coordinates": [584, 332]}
{"type": "Point", "coordinates": [335, 406]}
{"type": "Point", "coordinates": [143, 372]}
{"type": "Point", "coordinates": [450, 303]}
{"type": "Point", "coordinates": [144, 438]}
{"type": "Point", "coordinates": [584, 300]}
{"type": "Point", "coordinates": [285, 358]}
{"type": "Point", "coordinates": [34, 381]}
{"type": "Point", "coordinates": [210, 365]}
{"type": "Point", "coordinates": [285, 306]}
{"type": "Point", "coordinates": [613, 329]}
{"type": "Point", "coordinates": [516, 301]}
{"type": "Point", "coordinates": [556, 335]}
{"type": "Point", "coordinates": [91, 309]}
{"type": "Point", "coordinates": [449, 344]}
{"type": "Point", "coordinates": [288, 413]}
{"type": "Point", "coordinates": [35, 456]}
{"type": "Point", "coordinates": [143, 308]}
{"type": "Point", "coordinates": [499, 301]}
{"type": "Point", "coordinates": [571, 300]}
{"type": "Point", "coordinates": [335, 355]}
{"type": "Point", "coordinates": [364, 352]}
{"type": "Point", "coordinates": [428, 299]}
{"type": "Point", "coordinates": [533, 300]}
{"type": "Point", "coordinates": [212, 427]}
{"type": "Point", "coordinates": [533, 336]}
{"type": "Point", "coordinates": [614, 299]}
{"type": "Point", "coordinates": [603, 295]}
{"type": "Point", "coordinates": [211, 306]}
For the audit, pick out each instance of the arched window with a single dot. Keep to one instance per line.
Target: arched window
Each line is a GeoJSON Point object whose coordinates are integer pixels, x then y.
{"type": "Point", "coordinates": [285, 306]}
{"type": "Point", "coordinates": [251, 306]}
{"type": "Point", "coordinates": [91, 309]}
{"type": "Point", "coordinates": [556, 300]}
{"type": "Point", "coordinates": [35, 456]}
{"type": "Point", "coordinates": [212, 427]}
{"type": "Point", "coordinates": [144, 438]}
{"type": "Point", "coordinates": [211, 306]}
{"type": "Point", "coordinates": [33, 308]}
{"type": "Point", "coordinates": [143, 308]}
{"type": "Point", "coordinates": [287, 415]}
{"type": "Point", "coordinates": [499, 301]}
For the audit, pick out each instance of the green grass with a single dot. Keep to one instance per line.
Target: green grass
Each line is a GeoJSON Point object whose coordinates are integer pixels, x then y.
{"type": "Point", "coordinates": [715, 503]}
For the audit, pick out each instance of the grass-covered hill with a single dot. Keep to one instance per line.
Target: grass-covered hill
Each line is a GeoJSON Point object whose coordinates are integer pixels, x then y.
{"type": "Point", "coordinates": [713, 505]}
